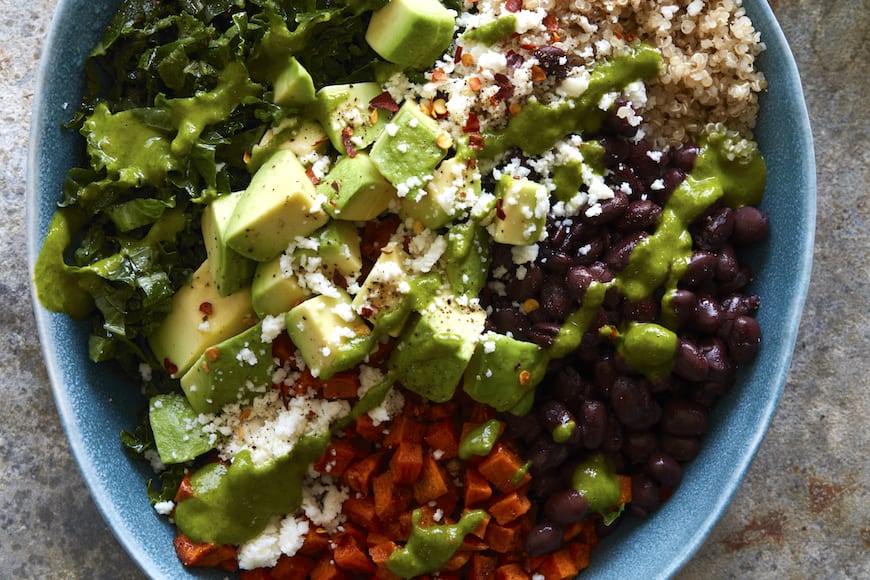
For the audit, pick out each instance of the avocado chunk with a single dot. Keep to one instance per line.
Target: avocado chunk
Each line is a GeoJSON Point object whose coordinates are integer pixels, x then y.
{"type": "Point", "coordinates": [178, 435]}
{"type": "Point", "coordinates": [329, 334]}
{"type": "Point", "coordinates": [435, 349]}
{"type": "Point", "coordinates": [231, 371]}
{"type": "Point", "coordinates": [273, 291]}
{"type": "Point", "coordinates": [293, 87]}
{"type": "Point", "coordinates": [337, 250]}
{"type": "Point", "coordinates": [200, 317]}
{"type": "Point", "coordinates": [521, 211]}
{"type": "Point", "coordinates": [355, 190]}
{"type": "Point", "coordinates": [382, 295]}
{"type": "Point", "coordinates": [411, 33]}
{"type": "Point", "coordinates": [301, 137]}
{"type": "Point", "coordinates": [436, 205]}
{"type": "Point", "coordinates": [278, 205]}
{"type": "Point", "coordinates": [231, 271]}
{"type": "Point", "coordinates": [407, 152]}
{"type": "Point", "coordinates": [344, 113]}
{"type": "Point", "coordinates": [503, 373]}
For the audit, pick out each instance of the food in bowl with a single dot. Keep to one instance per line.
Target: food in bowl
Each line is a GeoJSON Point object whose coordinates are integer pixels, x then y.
{"type": "Point", "coordinates": [414, 291]}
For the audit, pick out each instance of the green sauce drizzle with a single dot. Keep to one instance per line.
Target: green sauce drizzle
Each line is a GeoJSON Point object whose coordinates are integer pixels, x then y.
{"type": "Point", "coordinates": [480, 440]}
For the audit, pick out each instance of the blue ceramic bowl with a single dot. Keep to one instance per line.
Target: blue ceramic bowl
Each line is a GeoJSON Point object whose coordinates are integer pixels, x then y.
{"type": "Point", "coordinates": [95, 404]}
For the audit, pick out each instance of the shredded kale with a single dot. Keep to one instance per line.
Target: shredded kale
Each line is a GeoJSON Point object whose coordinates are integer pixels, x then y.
{"type": "Point", "coordinates": [178, 92]}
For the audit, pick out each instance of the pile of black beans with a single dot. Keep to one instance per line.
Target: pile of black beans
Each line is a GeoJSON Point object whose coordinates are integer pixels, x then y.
{"type": "Point", "coordinates": [647, 429]}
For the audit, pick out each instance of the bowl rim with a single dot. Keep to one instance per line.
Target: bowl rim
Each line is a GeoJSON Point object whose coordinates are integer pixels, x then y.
{"type": "Point", "coordinates": [106, 504]}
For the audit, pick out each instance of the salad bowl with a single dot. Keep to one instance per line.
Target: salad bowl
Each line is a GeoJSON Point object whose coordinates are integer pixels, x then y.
{"type": "Point", "coordinates": [96, 402]}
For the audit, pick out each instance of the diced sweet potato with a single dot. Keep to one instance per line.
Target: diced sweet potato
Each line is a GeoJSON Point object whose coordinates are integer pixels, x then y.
{"type": "Point", "coordinates": [558, 565]}
{"type": "Point", "coordinates": [325, 569]}
{"type": "Point", "coordinates": [404, 428]}
{"type": "Point", "coordinates": [503, 539]}
{"type": "Point", "coordinates": [511, 572]}
{"type": "Point", "coordinates": [203, 554]}
{"type": "Point", "coordinates": [504, 469]}
{"type": "Point", "coordinates": [360, 473]}
{"type": "Point", "coordinates": [361, 511]}
{"type": "Point", "coordinates": [442, 436]}
{"type": "Point", "coordinates": [457, 561]}
{"type": "Point", "coordinates": [481, 567]}
{"type": "Point", "coordinates": [509, 507]}
{"type": "Point", "coordinates": [407, 462]}
{"type": "Point", "coordinates": [315, 543]}
{"type": "Point", "coordinates": [432, 483]}
{"type": "Point", "coordinates": [292, 568]}
{"type": "Point", "coordinates": [439, 411]}
{"type": "Point", "coordinates": [185, 490]}
{"type": "Point", "coordinates": [366, 428]}
{"type": "Point", "coordinates": [343, 385]}
{"type": "Point", "coordinates": [477, 489]}
{"type": "Point", "coordinates": [624, 489]}
{"type": "Point", "coordinates": [337, 457]}
{"type": "Point", "coordinates": [381, 551]}
{"type": "Point", "coordinates": [580, 553]}
{"type": "Point", "coordinates": [350, 557]}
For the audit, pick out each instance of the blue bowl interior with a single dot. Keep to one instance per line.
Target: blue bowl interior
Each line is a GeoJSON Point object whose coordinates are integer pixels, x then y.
{"type": "Point", "coordinates": [95, 402]}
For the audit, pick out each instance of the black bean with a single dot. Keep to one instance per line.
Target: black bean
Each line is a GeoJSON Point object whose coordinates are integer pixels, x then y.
{"type": "Point", "coordinates": [633, 404]}
{"type": "Point", "coordinates": [700, 270]}
{"type": "Point", "coordinates": [645, 494]}
{"type": "Point", "coordinates": [510, 320]}
{"type": "Point", "coordinates": [553, 60]}
{"type": "Point", "coordinates": [554, 414]}
{"type": "Point", "coordinates": [719, 364]}
{"type": "Point", "coordinates": [527, 287]}
{"type": "Point", "coordinates": [524, 427]}
{"type": "Point", "coordinates": [726, 265]}
{"type": "Point", "coordinates": [707, 315]}
{"type": "Point", "coordinates": [566, 507]}
{"type": "Point", "coordinates": [543, 538]}
{"type": "Point", "coordinates": [615, 151]}
{"type": "Point", "coordinates": [567, 385]}
{"type": "Point", "coordinates": [645, 167]}
{"type": "Point", "coordinates": [680, 448]}
{"type": "Point", "coordinates": [616, 124]}
{"type": "Point", "coordinates": [555, 300]}
{"type": "Point", "coordinates": [577, 280]}
{"type": "Point", "coordinates": [671, 180]}
{"type": "Point", "coordinates": [738, 282]}
{"type": "Point", "coordinates": [683, 303]}
{"type": "Point", "coordinates": [644, 310]}
{"type": "Point", "coordinates": [543, 333]}
{"type": "Point", "coordinates": [546, 454]}
{"type": "Point", "coordinates": [744, 339]}
{"type": "Point", "coordinates": [684, 418]}
{"type": "Point", "coordinates": [708, 392]}
{"type": "Point", "coordinates": [625, 176]}
{"type": "Point", "coordinates": [601, 272]}
{"type": "Point", "coordinates": [544, 484]}
{"type": "Point", "coordinates": [612, 441]}
{"type": "Point", "coordinates": [501, 256]}
{"type": "Point", "coordinates": [751, 225]}
{"type": "Point", "coordinates": [611, 209]}
{"type": "Point", "coordinates": [684, 157]}
{"type": "Point", "coordinates": [593, 423]}
{"type": "Point", "coordinates": [639, 215]}
{"type": "Point", "coordinates": [739, 305]}
{"type": "Point", "coordinates": [605, 374]}
{"type": "Point", "coordinates": [619, 253]}
{"type": "Point", "coordinates": [637, 446]}
{"type": "Point", "coordinates": [715, 228]}
{"type": "Point", "coordinates": [665, 469]}
{"type": "Point", "coordinates": [689, 362]}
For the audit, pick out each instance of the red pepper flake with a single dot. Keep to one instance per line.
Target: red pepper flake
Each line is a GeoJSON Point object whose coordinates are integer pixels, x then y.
{"type": "Point", "coordinates": [472, 124]}
{"type": "Point", "coordinates": [457, 56]}
{"type": "Point", "coordinates": [505, 88]}
{"type": "Point", "coordinates": [170, 366]}
{"type": "Point", "coordinates": [550, 23]}
{"type": "Point", "coordinates": [349, 147]}
{"type": "Point", "coordinates": [311, 177]}
{"type": "Point", "coordinates": [206, 308]}
{"type": "Point", "coordinates": [528, 46]}
{"type": "Point", "coordinates": [538, 74]}
{"type": "Point", "coordinates": [499, 211]}
{"type": "Point", "coordinates": [335, 186]}
{"type": "Point", "coordinates": [513, 5]}
{"type": "Point", "coordinates": [514, 59]}
{"type": "Point", "coordinates": [384, 101]}
{"type": "Point", "coordinates": [366, 312]}
{"type": "Point", "coordinates": [475, 141]}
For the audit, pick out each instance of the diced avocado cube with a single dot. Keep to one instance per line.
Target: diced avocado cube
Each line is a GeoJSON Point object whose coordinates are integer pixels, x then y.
{"type": "Point", "coordinates": [435, 205]}
{"type": "Point", "coordinates": [385, 290]}
{"type": "Point", "coordinates": [329, 334]}
{"type": "Point", "coordinates": [231, 271]}
{"type": "Point", "coordinates": [521, 211]}
{"type": "Point", "coordinates": [408, 151]}
{"type": "Point", "coordinates": [344, 113]}
{"type": "Point", "coordinates": [231, 371]}
{"type": "Point", "coordinates": [302, 138]}
{"type": "Point", "coordinates": [355, 190]}
{"type": "Point", "coordinates": [178, 435]}
{"type": "Point", "coordinates": [435, 349]}
{"type": "Point", "coordinates": [503, 373]}
{"type": "Point", "coordinates": [273, 291]}
{"type": "Point", "coordinates": [278, 205]}
{"type": "Point", "coordinates": [412, 33]}
{"type": "Point", "coordinates": [293, 87]}
{"type": "Point", "coordinates": [338, 250]}
{"type": "Point", "coordinates": [200, 317]}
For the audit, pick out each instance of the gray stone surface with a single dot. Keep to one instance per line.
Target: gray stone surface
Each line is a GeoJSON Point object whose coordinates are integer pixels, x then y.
{"type": "Point", "coordinates": [803, 510]}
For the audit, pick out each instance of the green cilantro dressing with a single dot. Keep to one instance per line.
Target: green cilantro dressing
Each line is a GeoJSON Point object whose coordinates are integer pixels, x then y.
{"type": "Point", "coordinates": [491, 32]}
{"type": "Point", "coordinates": [480, 440]}
{"type": "Point", "coordinates": [231, 504]}
{"type": "Point", "coordinates": [598, 481]}
{"type": "Point", "coordinates": [430, 548]}
{"type": "Point", "coordinates": [563, 432]}
{"type": "Point", "coordinates": [648, 347]}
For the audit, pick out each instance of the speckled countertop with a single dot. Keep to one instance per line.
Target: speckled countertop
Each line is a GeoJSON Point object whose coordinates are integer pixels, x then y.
{"type": "Point", "coordinates": [803, 510]}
